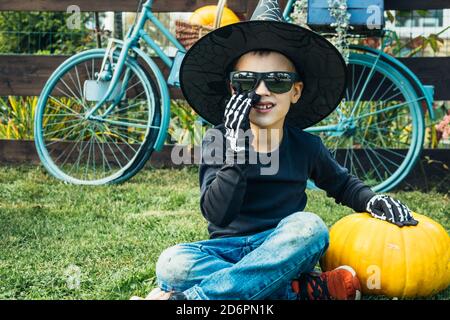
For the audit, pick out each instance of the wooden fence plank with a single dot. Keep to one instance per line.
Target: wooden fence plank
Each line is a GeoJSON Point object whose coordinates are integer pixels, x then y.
{"type": "Point", "coordinates": [26, 74]}
{"type": "Point", "coordinates": [115, 5]}
{"type": "Point", "coordinates": [432, 71]}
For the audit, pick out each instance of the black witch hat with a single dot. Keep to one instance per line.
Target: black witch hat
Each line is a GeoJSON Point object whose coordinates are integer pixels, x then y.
{"type": "Point", "coordinates": [204, 70]}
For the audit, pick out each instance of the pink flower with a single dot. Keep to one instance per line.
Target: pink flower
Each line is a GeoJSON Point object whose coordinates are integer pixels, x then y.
{"type": "Point", "coordinates": [444, 127]}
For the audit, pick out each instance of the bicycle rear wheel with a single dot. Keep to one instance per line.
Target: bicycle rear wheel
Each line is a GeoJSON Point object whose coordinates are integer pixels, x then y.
{"type": "Point", "coordinates": [378, 129]}
{"type": "Point", "coordinates": [106, 148]}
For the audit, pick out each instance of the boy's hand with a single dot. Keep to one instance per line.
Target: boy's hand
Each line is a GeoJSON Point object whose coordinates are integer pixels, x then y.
{"type": "Point", "coordinates": [236, 120]}
{"type": "Point", "coordinates": [386, 208]}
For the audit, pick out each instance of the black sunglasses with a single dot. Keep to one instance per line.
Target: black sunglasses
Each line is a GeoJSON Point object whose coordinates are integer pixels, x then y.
{"type": "Point", "coordinates": [275, 81]}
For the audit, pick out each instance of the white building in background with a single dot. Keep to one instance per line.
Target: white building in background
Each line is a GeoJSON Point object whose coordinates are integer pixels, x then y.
{"type": "Point", "coordinates": [109, 21]}
{"type": "Point", "coordinates": [412, 25]}
{"type": "Point", "coordinates": [416, 25]}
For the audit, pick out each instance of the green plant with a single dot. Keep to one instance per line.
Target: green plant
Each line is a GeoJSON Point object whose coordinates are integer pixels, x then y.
{"type": "Point", "coordinates": [16, 117]}
{"type": "Point", "coordinates": [186, 127]}
{"type": "Point", "coordinates": [36, 32]}
{"type": "Point", "coordinates": [17, 120]}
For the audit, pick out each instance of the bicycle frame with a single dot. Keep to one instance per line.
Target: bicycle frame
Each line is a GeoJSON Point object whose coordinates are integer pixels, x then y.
{"type": "Point", "coordinates": [130, 42]}
{"type": "Point", "coordinates": [288, 9]}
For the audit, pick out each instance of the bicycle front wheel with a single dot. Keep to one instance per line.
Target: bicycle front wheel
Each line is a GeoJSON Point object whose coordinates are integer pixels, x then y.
{"type": "Point", "coordinates": [102, 149]}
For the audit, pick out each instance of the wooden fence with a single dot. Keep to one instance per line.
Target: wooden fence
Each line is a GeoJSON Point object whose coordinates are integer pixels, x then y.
{"type": "Point", "coordinates": [24, 75]}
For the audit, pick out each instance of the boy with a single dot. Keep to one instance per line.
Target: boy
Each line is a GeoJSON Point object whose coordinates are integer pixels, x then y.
{"type": "Point", "coordinates": [263, 245]}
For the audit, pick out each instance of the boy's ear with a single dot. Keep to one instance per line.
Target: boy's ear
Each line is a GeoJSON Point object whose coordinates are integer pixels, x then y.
{"type": "Point", "coordinates": [231, 88]}
{"type": "Point", "coordinates": [298, 88]}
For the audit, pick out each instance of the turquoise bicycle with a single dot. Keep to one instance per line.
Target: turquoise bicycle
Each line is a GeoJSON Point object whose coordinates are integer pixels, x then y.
{"type": "Point", "coordinates": [103, 112]}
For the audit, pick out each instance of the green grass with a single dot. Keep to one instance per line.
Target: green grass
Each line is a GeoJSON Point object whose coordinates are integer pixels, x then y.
{"type": "Point", "coordinates": [115, 234]}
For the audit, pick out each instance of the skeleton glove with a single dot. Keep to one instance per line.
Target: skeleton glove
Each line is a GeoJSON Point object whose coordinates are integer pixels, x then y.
{"type": "Point", "coordinates": [237, 126]}
{"type": "Point", "coordinates": [386, 208]}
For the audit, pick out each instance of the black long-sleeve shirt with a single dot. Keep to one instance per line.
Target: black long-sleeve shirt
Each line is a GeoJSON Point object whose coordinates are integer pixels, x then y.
{"type": "Point", "coordinates": [238, 200]}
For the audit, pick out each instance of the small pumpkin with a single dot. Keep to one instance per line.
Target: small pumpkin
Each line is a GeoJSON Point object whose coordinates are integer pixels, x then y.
{"type": "Point", "coordinates": [398, 262]}
{"type": "Point", "coordinates": [205, 16]}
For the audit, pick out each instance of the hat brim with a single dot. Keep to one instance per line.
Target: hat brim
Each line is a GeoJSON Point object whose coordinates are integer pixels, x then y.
{"type": "Point", "coordinates": [203, 72]}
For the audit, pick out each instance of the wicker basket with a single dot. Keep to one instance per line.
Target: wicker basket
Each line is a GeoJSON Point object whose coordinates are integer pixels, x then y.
{"type": "Point", "coordinates": [188, 33]}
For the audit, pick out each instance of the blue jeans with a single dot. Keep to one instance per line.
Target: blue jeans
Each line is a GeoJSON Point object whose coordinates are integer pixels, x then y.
{"type": "Point", "coordinates": [259, 266]}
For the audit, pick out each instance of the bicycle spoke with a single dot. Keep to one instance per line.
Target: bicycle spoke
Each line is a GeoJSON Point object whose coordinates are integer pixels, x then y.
{"type": "Point", "coordinates": [73, 148]}
{"type": "Point", "coordinates": [63, 105]}
{"type": "Point", "coordinates": [380, 160]}
{"type": "Point", "coordinates": [87, 71]}
{"type": "Point", "coordinates": [74, 96]}
{"type": "Point", "coordinates": [60, 115]}
{"type": "Point", "coordinates": [128, 125]}
{"type": "Point", "coordinates": [376, 155]}
{"type": "Point", "coordinates": [335, 148]}
{"type": "Point", "coordinates": [399, 155]}
{"type": "Point", "coordinates": [65, 121]}
{"type": "Point", "coordinates": [77, 163]}
{"type": "Point", "coordinates": [93, 70]}
{"type": "Point", "coordinates": [75, 85]}
{"type": "Point", "coordinates": [383, 110]}
{"type": "Point", "coordinates": [131, 122]}
{"type": "Point", "coordinates": [104, 156]}
{"type": "Point", "coordinates": [79, 85]}
{"type": "Point", "coordinates": [374, 93]}
{"type": "Point", "coordinates": [358, 162]}
{"type": "Point", "coordinates": [346, 156]}
{"type": "Point", "coordinates": [101, 148]}
{"type": "Point", "coordinates": [123, 138]}
{"type": "Point", "coordinates": [373, 164]}
{"type": "Point", "coordinates": [113, 153]}
{"type": "Point", "coordinates": [380, 123]}
{"type": "Point", "coordinates": [62, 130]}
{"type": "Point", "coordinates": [132, 86]}
{"type": "Point", "coordinates": [353, 82]}
{"type": "Point", "coordinates": [63, 138]}
{"type": "Point", "coordinates": [357, 85]}
{"type": "Point", "coordinates": [351, 161]}
{"type": "Point", "coordinates": [128, 107]}
{"type": "Point", "coordinates": [121, 151]}
{"type": "Point", "coordinates": [368, 79]}
{"type": "Point", "coordinates": [89, 156]}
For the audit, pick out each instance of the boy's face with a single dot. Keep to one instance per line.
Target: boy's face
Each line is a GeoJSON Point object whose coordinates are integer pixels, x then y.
{"type": "Point", "coordinates": [274, 118]}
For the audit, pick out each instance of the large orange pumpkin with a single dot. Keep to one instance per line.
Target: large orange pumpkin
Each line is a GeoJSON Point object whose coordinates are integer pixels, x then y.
{"type": "Point", "coordinates": [397, 262]}
{"type": "Point", "coordinates": [205, 16]}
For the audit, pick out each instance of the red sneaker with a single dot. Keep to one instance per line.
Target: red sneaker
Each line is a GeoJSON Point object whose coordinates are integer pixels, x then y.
{"type": "Point", "coordinates": [338, 284]}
